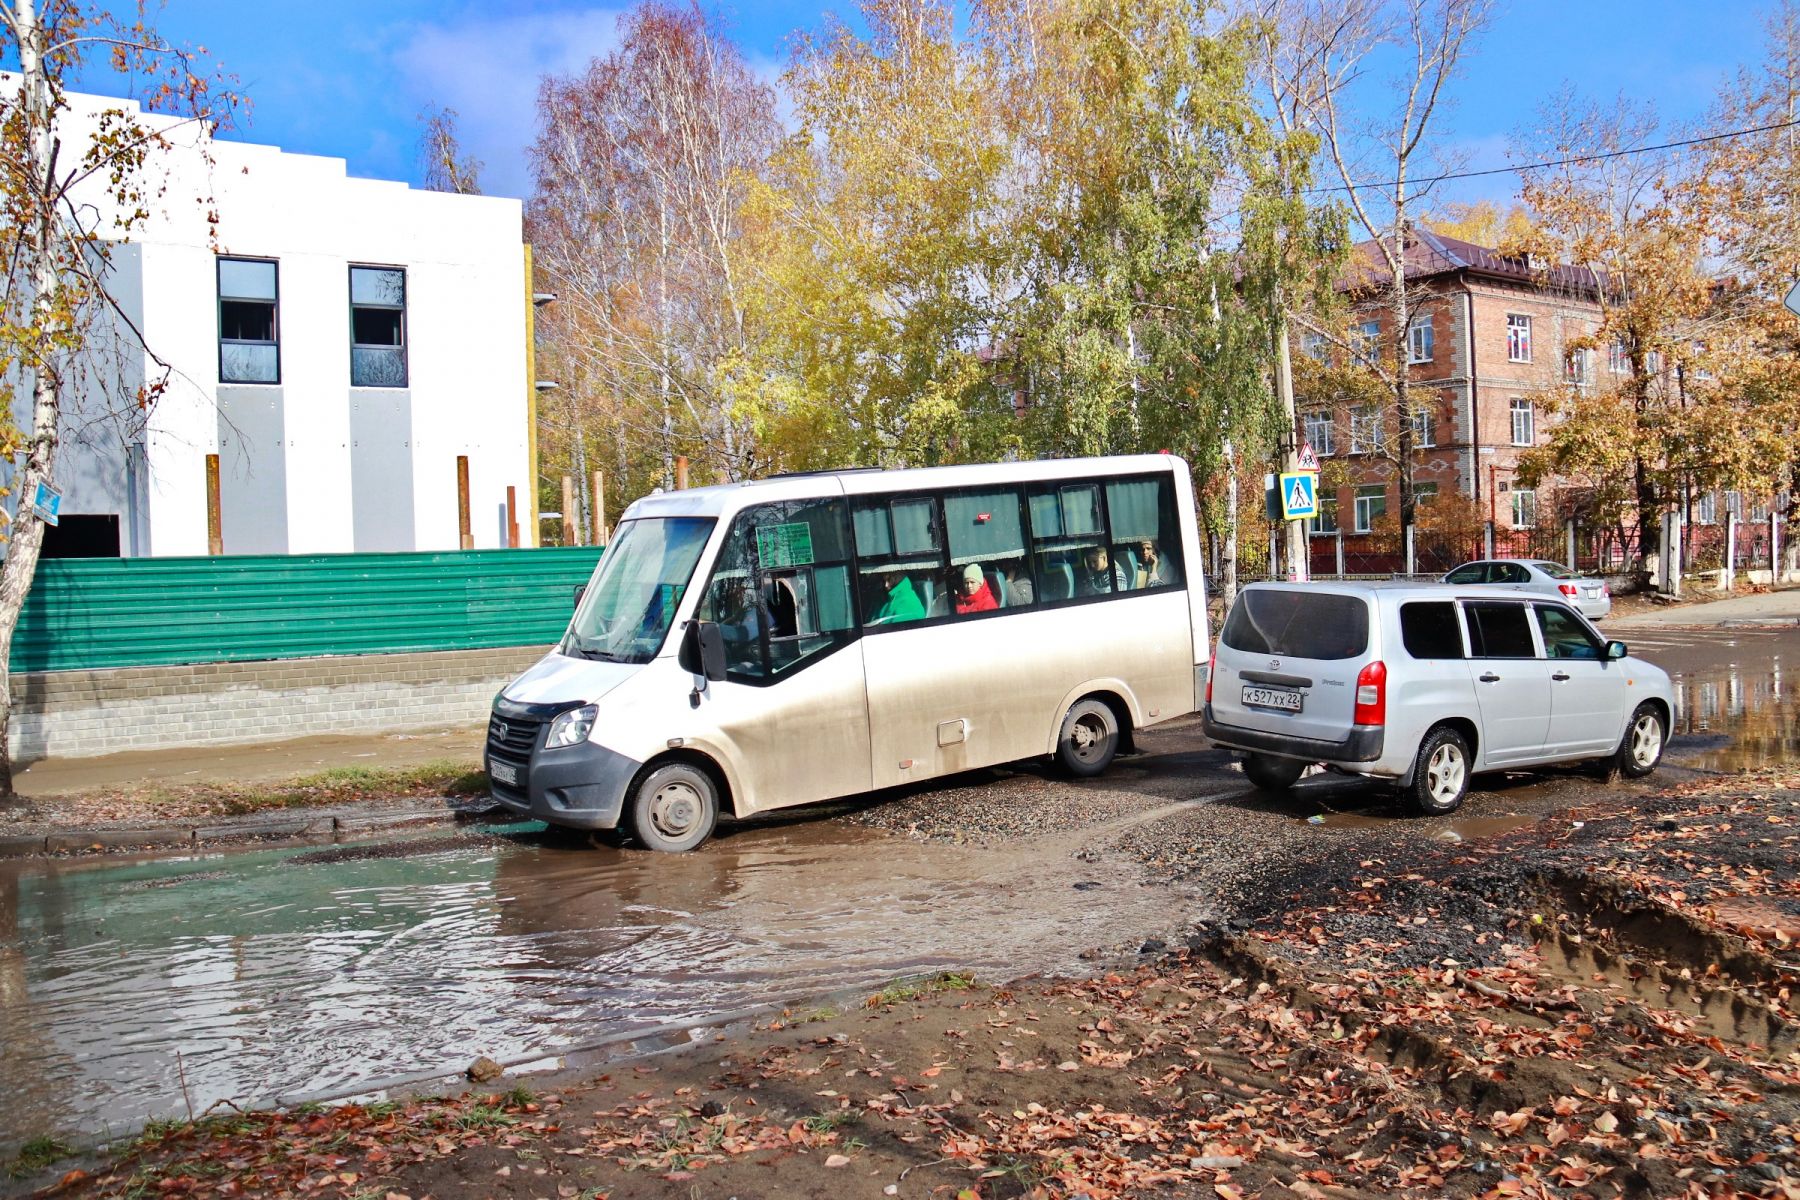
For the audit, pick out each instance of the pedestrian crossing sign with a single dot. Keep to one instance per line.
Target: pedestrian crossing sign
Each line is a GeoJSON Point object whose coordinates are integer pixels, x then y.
{"type": "Point", "coordinates": [1299, 495]}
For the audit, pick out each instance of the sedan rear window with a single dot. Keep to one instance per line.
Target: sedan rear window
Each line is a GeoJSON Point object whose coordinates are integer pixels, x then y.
{"type": "Point", "coordinates": [1287, 624]}
{"type": "Point", "coordinates": [1555, 570]}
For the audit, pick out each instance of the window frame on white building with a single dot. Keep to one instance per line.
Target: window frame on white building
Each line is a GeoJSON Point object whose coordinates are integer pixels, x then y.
{"type": "Point", "coordinates": [272, 300]}
{"type": "Point", "coordinates": [371, 350]}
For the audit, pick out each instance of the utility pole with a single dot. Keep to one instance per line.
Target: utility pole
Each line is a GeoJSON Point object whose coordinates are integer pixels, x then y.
{"type": "Point", "coordinates": [1299, 554]}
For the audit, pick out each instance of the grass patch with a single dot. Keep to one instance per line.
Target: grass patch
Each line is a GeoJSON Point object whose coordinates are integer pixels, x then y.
{"type": "Point", "coordinates": [38, 1153]}
{"type": "Point", "coordinates": [519, 1097]}
{"type": "Point", "coordinates": [830, 1120]}
{"type": "Point", "coordinates": [902, 990]}
{"type": "Point", "coordinates": [483, 1116]}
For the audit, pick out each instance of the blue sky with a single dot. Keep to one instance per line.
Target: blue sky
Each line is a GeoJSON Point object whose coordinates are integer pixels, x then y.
{"type": "Point", "coordinates": [348, 77]}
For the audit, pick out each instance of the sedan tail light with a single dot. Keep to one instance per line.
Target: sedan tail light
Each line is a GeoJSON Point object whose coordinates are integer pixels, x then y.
{"type": "Point", "coordinates": [1568, 589]}
{"type": "Point", "coordinates": [1371, 694]}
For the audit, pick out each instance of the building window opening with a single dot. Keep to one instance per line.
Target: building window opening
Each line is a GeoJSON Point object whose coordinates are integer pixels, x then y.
{"type": "Point", "coordinates": [249, 329]}
{"type": "Point", "coordinates": [377, 327]}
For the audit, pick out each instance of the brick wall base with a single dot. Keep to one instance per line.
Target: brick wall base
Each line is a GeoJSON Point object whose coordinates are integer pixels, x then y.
{"type": "Point", "coordinates": [77, 714]}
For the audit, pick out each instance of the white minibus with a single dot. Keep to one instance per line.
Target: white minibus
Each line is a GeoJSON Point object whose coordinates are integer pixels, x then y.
{"type": "Point", "coordinates": [757, 645]}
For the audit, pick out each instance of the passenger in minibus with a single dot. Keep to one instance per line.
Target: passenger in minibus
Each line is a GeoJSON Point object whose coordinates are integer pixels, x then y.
{"type": "Point", "coordinates": [972, 591]}
{"type": "Point", "coordinates": [1092, 579]}
{"type": "Point", "coordinates": [1152, 570]}
{"type": "Point", "coordinates": [902, 602]}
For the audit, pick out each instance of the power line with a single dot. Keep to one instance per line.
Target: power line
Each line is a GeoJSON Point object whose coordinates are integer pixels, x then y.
{"type": "Point", "coordinates": [1559, 162]}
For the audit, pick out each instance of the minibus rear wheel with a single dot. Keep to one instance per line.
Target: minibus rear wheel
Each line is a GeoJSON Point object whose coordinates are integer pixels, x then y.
{"type": "Point", "coordinates": [1089, 738]}
{"type": "Point", "coordinates": [674, 808]}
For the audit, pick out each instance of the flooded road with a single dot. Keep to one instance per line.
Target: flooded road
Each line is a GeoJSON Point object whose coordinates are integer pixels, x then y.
{"type": "Point", "coordinates": [144, 988]}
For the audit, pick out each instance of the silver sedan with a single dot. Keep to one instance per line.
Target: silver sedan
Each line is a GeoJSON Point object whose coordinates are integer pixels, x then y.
{"type": "Point", "coordinates": [1589, 595]}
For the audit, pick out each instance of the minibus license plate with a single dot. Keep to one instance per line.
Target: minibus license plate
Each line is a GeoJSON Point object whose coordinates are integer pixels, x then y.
{"type": "Point", "coordinates": [503, 772]}
{"type": "Point", "coordinates": [1272, 698]}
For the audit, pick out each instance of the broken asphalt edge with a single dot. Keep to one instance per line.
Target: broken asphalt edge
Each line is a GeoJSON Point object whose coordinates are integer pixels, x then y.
{"type": "Point", "coordinates": [77, 839]}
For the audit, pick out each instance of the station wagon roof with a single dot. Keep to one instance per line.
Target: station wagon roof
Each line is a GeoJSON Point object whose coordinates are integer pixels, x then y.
{"type": "Point", "coordinates": [723, 499]}
{"type": "Point", "coordinates": [1400, 589]}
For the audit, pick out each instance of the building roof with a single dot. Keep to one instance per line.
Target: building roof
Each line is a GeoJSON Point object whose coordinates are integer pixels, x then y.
{"type": "Point", "coordinates": [1430, 254]}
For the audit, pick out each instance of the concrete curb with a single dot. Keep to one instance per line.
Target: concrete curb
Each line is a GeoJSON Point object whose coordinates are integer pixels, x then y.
{"type": "Point", "coordinates": [105, 841]}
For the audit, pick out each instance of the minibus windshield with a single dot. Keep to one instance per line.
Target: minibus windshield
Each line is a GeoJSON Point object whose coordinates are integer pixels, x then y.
{"type": "Point", "coordinates": [627, 609]}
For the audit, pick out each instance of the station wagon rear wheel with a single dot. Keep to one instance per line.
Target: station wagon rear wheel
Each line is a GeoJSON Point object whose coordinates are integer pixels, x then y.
{"type": "Point", "coordinates": [1642, 747]}
{"type": "Point", "coordinates": [674, 808]}
{"type": "Point", "coordinates": [1089, 739]}
{"type": "Point", "coordinates": [1441, 774]}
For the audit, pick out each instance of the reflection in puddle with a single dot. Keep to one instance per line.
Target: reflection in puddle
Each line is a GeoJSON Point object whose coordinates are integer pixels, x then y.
{"type": "Point", "coordinates": [144, 989]}
{"type": "Point", "coordinates": [1732, 719]}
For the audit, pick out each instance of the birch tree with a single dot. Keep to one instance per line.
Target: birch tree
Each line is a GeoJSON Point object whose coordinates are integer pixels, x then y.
{"type": "Point", "coordinates": [641, 167]}
{"type": "Point", "coordinates": [56, 317]}
{"type": "Point", "coordinates": [1373, 79]}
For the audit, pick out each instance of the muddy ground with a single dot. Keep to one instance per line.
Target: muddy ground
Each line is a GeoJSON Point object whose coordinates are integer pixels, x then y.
{"type": "Point", "coordinates": [1595, 1002]}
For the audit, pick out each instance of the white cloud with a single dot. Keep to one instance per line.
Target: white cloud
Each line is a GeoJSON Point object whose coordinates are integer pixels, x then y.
{"type": "Point", "coordinates": [488, 71]}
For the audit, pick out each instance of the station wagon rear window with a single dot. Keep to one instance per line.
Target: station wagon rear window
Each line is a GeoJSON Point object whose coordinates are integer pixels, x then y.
{"type": "Point", "coordinates": [1286, 624]}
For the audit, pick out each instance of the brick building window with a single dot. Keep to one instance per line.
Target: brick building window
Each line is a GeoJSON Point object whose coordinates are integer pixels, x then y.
{"type": "Point", "coordinates": [1421, 424]}
{"type": "Point", "coordinates": [1365, 429]}
{"type": "Point", "coordinates": [1575, 368]}
{"type": "Point", "coordinates": [1318, 432]}
{"type": "Point", "coordinates": [1326, 523]}
{"type": "Point", "coordinates": [1424, 493]}
{"type": "Point", "coordinates": [1524, 423]}
{"type": "Point", "coordinates": [1524, 508]}
{"type": "Point", "coordinates": [1371, 503]}
{"type": "Point", "coordinates": [1618, 359]}
{"type": "Point", "coordinates": [1706, 508]}
{"type": "Point", "coordinates": [1518, 338]}
{"type": "Point", "coordinates": [1366, 337]}
{"type": "Point", "coordinates": [1419, 340]}
{"type": "Point", "coordinates": [1315, 346]}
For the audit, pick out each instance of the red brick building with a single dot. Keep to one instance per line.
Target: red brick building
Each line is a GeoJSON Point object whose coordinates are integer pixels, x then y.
{"type": "Point", "coordinates": [1490, 331]}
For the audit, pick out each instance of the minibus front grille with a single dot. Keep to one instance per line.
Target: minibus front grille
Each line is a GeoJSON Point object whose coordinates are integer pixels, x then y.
{"type": "Point", "coordinates": [516, 737]}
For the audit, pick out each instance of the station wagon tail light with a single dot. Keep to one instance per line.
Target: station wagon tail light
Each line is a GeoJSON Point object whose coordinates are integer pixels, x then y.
{"type": "Point", "coordinates": [1371, 694]}
{"type": "Point", "coordinates": [1211, 665]}
{"type": "Point", "coordinates": [1568, 589]}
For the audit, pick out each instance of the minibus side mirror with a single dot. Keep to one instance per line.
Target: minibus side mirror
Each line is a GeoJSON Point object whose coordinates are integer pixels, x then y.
{"type": "Point", "coordinates": [1615, 650]}
{"type": "Point", "coordinates": [580, 591]}
{"type": "Point", "coordinates": [703, 650]}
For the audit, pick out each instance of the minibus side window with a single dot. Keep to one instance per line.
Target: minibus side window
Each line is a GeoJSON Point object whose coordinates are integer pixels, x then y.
{"type": "Point", "coordinates": [1145, 540]}
{"type": "Point", "coordinates": [780, 590]}
{"type": "Point", "coordinates": [989, 570]}
{"type": "Point", "coordinates": [1068, 542]}
{"type": "Point", "coordinates": [899, 555]}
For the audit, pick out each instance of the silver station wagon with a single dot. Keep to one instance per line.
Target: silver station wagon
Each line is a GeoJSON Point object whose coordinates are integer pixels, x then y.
{"type": "Point", "coordinates": [1425, 685]}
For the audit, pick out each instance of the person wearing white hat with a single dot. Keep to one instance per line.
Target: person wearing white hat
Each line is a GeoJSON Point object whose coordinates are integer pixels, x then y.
{"type": "Point", "coordinates": [972, 591]}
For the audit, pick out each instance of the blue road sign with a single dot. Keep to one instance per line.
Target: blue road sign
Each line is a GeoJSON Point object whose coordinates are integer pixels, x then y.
{"type": "Point", "coordinates": [1299, 495]}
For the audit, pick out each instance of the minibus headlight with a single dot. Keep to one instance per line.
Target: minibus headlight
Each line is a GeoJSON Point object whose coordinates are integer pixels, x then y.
{"type": "Point", "coordinates": [572, 728]}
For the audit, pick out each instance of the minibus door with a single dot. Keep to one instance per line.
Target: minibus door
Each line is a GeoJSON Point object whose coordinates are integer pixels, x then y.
{"type": "Point", "coordinates": [793, 704]}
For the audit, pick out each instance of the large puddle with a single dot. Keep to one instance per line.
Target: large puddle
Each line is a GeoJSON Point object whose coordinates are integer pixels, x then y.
{"type": "Point", "coordinates": [146, 989]}
{"type": "Point", "coordinates": [1732, 718]}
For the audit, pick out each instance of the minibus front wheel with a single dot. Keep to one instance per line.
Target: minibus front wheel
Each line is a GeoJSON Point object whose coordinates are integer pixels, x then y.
{"type": "Point", "coordinates": [674, 808]}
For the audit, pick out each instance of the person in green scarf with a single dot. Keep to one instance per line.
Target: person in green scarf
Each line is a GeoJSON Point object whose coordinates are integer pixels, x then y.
{"type": "Point", "coordinates": [903, 602]}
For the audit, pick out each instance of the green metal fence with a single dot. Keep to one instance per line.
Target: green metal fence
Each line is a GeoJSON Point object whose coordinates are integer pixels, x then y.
{"type": "Point", "coordinates": [129, 612]}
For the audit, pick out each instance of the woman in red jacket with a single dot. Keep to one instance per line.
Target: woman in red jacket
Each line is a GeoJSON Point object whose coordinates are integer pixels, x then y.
{"type": "Point", "coordinates": [972, 591]}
